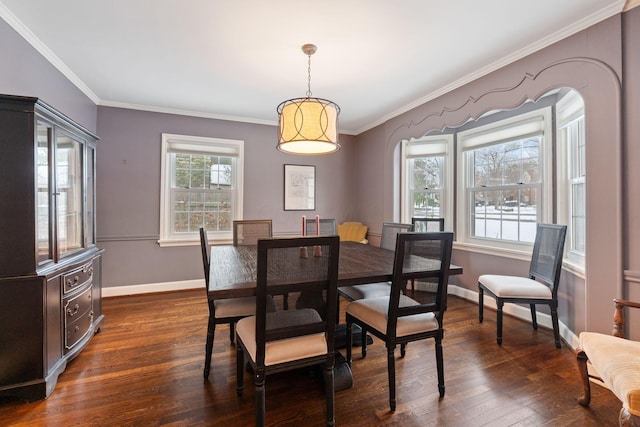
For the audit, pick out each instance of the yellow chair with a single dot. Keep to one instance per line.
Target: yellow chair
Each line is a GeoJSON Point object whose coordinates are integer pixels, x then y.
{"type": "Point", "coordinates": [353, 232]}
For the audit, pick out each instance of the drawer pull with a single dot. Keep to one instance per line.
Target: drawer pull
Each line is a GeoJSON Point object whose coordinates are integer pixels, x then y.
{"type": "Point", "coordinates": [73, 312]}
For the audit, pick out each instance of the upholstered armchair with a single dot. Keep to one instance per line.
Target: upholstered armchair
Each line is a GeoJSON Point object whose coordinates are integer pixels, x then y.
{"type": "Point", "coordinates": [617, 363]}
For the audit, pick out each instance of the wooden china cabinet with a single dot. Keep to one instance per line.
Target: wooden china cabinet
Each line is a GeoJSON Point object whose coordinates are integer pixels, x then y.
{"type": "Point", "coordinates": [50, 267]}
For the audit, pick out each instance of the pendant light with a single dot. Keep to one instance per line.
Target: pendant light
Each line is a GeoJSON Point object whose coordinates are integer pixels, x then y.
{"type": "Point", "coordinates": [308, 125]}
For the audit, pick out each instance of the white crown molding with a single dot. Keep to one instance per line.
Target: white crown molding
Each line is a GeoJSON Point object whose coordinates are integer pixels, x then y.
{"type": "Point", "coordinates": [31, 38]}
{"type": "Point", "coordinates": [631, 4]}
{"type": "Point", "coordinates": [576, 27]}
{"type": "Point", "coordinates": [186, 113]}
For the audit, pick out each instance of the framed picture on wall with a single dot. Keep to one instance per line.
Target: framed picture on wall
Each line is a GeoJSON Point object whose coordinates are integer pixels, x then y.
{"type": "Point", "coordinates": [299, 188]}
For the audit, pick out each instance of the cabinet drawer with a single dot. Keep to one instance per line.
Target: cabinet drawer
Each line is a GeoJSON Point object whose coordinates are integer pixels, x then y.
{"type": "Point", "coordinates": [77, 277]}
{"type": "Point", "coordinates": [76, 330]}
{"type": "Point", "coordinates": [76, 307]}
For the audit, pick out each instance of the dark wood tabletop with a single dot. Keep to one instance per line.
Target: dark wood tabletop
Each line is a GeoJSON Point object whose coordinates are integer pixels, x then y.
{"type": "Point", "coordinates": [233, 268]}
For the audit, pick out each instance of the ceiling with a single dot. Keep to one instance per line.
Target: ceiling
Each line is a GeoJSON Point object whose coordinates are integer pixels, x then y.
{"type": "Point", "coordinates": [237, 60]}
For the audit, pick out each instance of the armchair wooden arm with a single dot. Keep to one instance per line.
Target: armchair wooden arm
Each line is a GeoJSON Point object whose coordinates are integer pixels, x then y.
{"type": "Point", "coordinates": [618, 315]}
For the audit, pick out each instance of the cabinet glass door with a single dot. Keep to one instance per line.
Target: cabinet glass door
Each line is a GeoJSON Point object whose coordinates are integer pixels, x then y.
{"type": "Point", "coordinates": [43, 211]}
{"type": "Point", "coordinates": [68, 194]}
{"type": "Point", "coordinates": [90, 197]}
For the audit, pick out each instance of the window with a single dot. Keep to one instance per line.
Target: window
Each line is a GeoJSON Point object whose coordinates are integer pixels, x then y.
{"type": "Point", "coordinates": [427, 179]}
{"type": "Point", "coordinates": [506, 180]}
{"type": "Point", "coordinates": [572, 174]}
{"type": "Point", "coordinates": [201, 187]}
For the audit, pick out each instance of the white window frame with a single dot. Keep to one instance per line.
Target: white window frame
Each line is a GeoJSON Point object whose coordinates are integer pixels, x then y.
{"type": "Point", "coordinates": [428, 146]}
{"type": "Point", "coordinates": [197, 145]}
{"type": "Point", "coordinates": [570, 111]}
{"type": "Point", "coordinates": [534, 122]}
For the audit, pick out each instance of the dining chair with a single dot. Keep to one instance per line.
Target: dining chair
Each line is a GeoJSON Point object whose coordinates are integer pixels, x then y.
{"type": "Point", "coordinates": [248, 231]}
{"type": "Point", "coordinates": [390, 232]}
{"type": "Point", "coordinates": [224, 311]}
{"type": "Point", "coordinates": [326, 227]}
{"type": "Point", "coordinates": [541, 287]}
{"type": "Point", "coordinates": [399, 319]}
{"type": "Point", "coordinates": [424, 225]}
{"type": "Point", "coordinates": [286, 340]}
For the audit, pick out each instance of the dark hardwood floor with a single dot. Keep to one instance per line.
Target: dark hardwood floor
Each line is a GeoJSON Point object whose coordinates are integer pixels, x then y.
{"type": "Point", "coordinates": [145, 369]}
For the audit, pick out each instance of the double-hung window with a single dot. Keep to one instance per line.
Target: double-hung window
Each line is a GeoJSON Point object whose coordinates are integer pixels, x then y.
{"type": "Point", "coordinates": [572, 174]}
{"type": "Point", "coordinates": [427, 178]}
{"type": "Point", "coordinates": [506, 180]}
{"type": "Point", "coordinates": [201, 187]}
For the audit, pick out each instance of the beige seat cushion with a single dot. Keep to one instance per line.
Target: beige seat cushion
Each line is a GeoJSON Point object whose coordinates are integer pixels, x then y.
{"type": "Point", "coordinates": [617, 362]}
{"type": "Point", "coordinates": [515, 287]}
{"type": "Point", "coordinates": [238, 307]}
{"type": "Point", "coordinates": [285, 350]}
{"type": "Point", "coordinates": [373, 311]}
{"type": "Point", "coordinates": [372, 290]}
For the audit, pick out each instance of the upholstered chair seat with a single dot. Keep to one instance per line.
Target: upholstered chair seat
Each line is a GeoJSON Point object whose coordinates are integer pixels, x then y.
{"type": "Point", "coordinates": [375, 313]}
{"type": "Point", "coordinates": [357, 292]}
{"type": "Point", "coordinates": [514, 287]}
{"type": "Point", "coordinates": [617, 362]}
{"type": "Point", "coordinates": [288, 349]}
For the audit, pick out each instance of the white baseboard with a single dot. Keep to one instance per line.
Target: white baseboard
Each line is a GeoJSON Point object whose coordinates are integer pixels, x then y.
{"type": "Point", "coordinates": [182, 285]}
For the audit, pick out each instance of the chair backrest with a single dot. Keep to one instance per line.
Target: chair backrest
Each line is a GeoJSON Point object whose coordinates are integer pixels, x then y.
{"type": "Point", "coordinates": [425, 225]}
{"type": "Point", "coordinates": [247, 232]}
{"type": "Point", "coordinates": [548, 249]}
{"type": "Point", "coordinates": [204, 247]}
{"type": "Point", "coordinates": [326, 226]}
{"type": "Point", "coordinates": [283, 267]}
{"type": "Point", "coordinates": [390, 232]}
{"type": "Point", "coordinates": [420, 256]}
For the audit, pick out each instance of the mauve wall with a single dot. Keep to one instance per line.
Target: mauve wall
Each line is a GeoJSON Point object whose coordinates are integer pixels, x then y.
{"type": "Point", "coordinates": [128, 193]}
{"type": "Point", "coordinates": [24, 71]}
{"type": "Point", "coordinates": [631, 160]}
{"type": "Point", "coordinates": [357, 183]}
{"type": "Point", "coordinates": [591, 62]}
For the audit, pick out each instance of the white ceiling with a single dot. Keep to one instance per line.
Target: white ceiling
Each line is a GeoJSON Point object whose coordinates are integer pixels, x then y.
{"type": "Point", "coordinates": [239, 59]}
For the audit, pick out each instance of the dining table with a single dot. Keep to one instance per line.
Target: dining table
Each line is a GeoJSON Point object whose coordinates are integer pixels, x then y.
{"type": "Point", "coordinates": [233, 273]}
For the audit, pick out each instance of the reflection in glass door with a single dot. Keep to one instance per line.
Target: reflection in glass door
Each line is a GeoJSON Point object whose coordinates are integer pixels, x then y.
{"type": "Point", "coordinates": [69, 194]}
{"type": "Point", "coordinates": [44, 207]}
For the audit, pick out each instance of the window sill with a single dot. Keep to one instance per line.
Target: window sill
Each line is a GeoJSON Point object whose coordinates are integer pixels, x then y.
{"type": "Point", "coordinates": [490, 250]}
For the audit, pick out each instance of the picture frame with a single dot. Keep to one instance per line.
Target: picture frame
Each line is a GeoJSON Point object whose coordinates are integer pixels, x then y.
{"type": "Point", "coordinates": [299, 188]}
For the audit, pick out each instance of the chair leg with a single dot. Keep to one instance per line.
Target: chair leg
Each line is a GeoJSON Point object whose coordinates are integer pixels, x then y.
{"type": "Point", "coordinates": [440, 365]}
{"type": "Point", "coordinates": [260, 397]}
{"type": "Point", "coordinates": [581, 359]}
{"type": "Point", "coordinates": [239, 370]}
{"type": "Point", "coordinates": [534, 319]}
{"type": "Point", "coordinates": [499, 334]}
{"type": "Point", "coordinates": [391, 367]}
{"type": "Point", "coordinates": [211, 330]}
{"type": "Point", "coordinates": [285, 301]}
{"type": "Point", "coordinates": [480, 304]}
{"type": "Point", "coordinates": [329, 391]}
{"type": "Point", "coordinates": [349, 341]}
{"type": "Point", "coordinates": [556, 326]}
{"type": "Point", "coordinates": [363, 339]}
{"type": "Point", "coordinates": [232, 331]}
{"type": "Point", "coordinates": [403, 349]}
